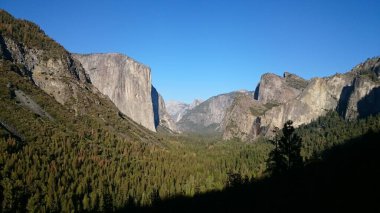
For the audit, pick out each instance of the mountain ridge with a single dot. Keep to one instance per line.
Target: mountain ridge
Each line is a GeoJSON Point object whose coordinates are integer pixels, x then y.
{"type": "Point", "coordinates": [290, 97]}
{"type": "Point", "coordinates": [320, 96]}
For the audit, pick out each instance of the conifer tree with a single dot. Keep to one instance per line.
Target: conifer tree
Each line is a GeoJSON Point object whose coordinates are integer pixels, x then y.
{"type": "Point", "coordinates": [286, 154]}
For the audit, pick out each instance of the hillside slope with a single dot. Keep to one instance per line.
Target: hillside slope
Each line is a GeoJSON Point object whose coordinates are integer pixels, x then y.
{"type": "Point", "coordinates": [34, 65]}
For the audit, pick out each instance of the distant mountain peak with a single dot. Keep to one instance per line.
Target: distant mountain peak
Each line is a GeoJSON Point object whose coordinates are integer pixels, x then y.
{"type": "Point", "coordinates": [195, 103]}
{"type": "Point", "coordinates": [178, 109]}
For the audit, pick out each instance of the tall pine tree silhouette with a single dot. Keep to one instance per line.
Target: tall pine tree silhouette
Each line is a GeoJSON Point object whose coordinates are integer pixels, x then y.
{"type": "Point", "coordinates": [286, 154]}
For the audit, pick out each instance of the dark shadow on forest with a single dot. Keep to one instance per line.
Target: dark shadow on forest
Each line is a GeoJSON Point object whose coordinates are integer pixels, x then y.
{"type": "Point", "coordinates": [346, 180]}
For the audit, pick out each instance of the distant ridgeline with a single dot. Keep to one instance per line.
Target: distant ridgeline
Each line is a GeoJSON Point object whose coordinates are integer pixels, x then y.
{"type": "Point", "coordinates": [248, 115]}
{"type": "Point", "coordinates": [69, 143]}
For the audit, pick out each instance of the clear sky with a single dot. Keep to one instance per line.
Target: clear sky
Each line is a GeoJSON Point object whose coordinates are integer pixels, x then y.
{"type": "Point", "coordinates": [201, 48]}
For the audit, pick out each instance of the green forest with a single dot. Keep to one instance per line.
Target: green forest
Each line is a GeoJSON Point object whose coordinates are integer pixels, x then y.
{"type": "Point", "coordinates": [75, 164]}
{"type": "Point", "coordinates": [60, 160]}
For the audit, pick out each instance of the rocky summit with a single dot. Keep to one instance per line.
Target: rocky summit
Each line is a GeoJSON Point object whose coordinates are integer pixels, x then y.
{"type": "Point", "coordinates": [275, 89]}
{"type": "Point", "coordinates": [354, 94]}
{"type": "Point", "coordinates": [247, 115]}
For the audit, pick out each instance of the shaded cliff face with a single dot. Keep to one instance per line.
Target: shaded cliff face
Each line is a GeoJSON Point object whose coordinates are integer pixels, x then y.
{"type": "Point", "coordinates": [363, 97]}
{"type": "Point", "coordinates": [162, 119]}
{"type": "Point", "coordinates": [207, 116]}
{"type": "Point", "coordinates": [353, 94]}
{"type": "Point", "coordinates": [126, 82]}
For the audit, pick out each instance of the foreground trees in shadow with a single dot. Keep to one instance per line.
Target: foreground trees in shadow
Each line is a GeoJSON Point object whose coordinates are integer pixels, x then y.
{"type": "Point", "coordinates": [346, 180]}
{"type": "Point", "coordinates": [286, 154]}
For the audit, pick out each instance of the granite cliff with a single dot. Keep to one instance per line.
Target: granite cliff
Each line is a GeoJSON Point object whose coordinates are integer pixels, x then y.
{"type": "Point", "coordinates": [126, 82]}
{"type": "Point", "coordinates": [277, 90]}
{"type": "Point", "coordinates": [353, 94]}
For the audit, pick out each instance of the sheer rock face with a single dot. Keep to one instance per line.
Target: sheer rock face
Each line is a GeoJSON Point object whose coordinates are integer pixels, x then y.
{"type": "Point", "coordinates": [207, 116]}
{"type": "Point", "coordinates": [353, 94]}
{"type": "Point", "coordinates": [126, 82]}
{"type": "Point", "coordinates": [363, 97]}
{"type": "Point", "coordinates": [275, 89]}
{"type": "Point", "coordinates": [320, 96]}
{"type": "Point", "coordinates": [161, 116]}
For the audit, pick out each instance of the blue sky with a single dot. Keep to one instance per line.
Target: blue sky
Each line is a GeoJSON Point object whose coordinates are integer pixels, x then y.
{"type": "Point", "coordinates": [201, 48]}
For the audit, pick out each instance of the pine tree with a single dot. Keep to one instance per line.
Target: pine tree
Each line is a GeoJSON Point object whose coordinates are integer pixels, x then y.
{"type": "Point", "coordinates": [286, 154]}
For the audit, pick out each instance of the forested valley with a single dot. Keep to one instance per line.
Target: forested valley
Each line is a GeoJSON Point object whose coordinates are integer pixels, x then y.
{"type": "Point", "coordinates": [80, 166]}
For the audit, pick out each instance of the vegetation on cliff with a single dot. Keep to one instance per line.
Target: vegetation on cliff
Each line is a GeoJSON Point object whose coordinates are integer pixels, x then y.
{"type": "Point", "coordinates": [30, 35]}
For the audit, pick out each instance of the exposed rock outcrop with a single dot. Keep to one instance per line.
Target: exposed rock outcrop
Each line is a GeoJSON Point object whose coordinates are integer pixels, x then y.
{"type": "Point", "coordinates": [320, 96]}
{"type": "Point", "coordinates": [275, 89]}
{"type": "Point", "coordinates": [363, 96]}
{"type": "Point", "coordinates": [59, 77]}
{"type": "Point", "coordinates": [126, 82]}
{"type": "Point", "coordinates": [242, 119]}
{"type": "Point", "coordinates": [353, 94]}
{"type": "Point", "coordinates": [28, 102]}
